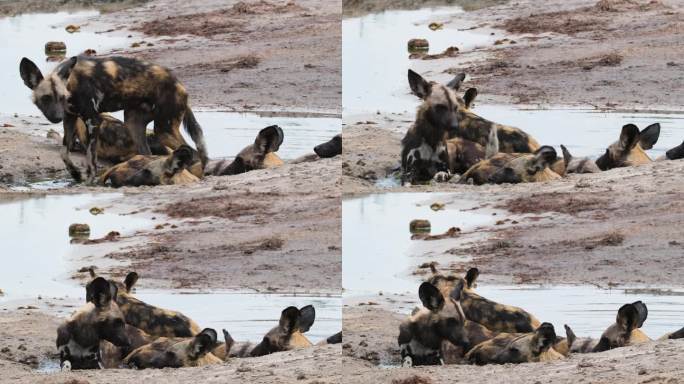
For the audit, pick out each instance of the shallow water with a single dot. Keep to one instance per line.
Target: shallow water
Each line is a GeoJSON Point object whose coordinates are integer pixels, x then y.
{"type": "Point", "coordinates": [375, 57]}
{"type": "Point", "coordinates": [377, 256]}
{"type": "Point", "coordinates": [26, 35]}
{"type": "Point", "coordinates": [377, 245]}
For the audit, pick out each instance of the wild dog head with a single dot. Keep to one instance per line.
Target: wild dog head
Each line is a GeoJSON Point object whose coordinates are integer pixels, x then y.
{"type": "Point", "coordinates": [515, 348]}
{"type": "Point", "coordinates": [440, 320]}
{"type": "Point", "coordinates": [675, 153]}
{"type": "Point", "coordinates": [155, 321]}
{"type": "Point", "coordinates": [289, 334]}
{"type": "Point", "coordinates": [153, 170]}
{"type": "Point", "coordinates": [50, 93]}
{"type": "Point", "coordinates": [330, 148]}
{"type": "Point", "coordinates": [440, 102]}
{"type": "Point", "coordinates": [677, 335]}
{"type": "Point", "coordinates": [496, 317]}
{"type": "Point", "coordinates": [625, 330]}
{"type": "Point", "coordinates": [259, 155]}
{"type": "Point", "coordinates": [629, 149]}
{"type": "Point", "coordinates": [78, 339]}
{"type": "Point", "coordinates": [527, 168]}
{"type": "Point", "coordinates": [176, 352]}
{"type": "Point", "coordinates": [578, 165]}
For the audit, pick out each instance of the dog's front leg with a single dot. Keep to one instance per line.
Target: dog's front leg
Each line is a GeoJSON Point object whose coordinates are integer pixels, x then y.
{"type": "Point", "coordinates": [93, 125]}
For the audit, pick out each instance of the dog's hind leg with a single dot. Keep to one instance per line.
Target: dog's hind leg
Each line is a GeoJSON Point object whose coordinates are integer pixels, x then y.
{"type": "Point", "coordinates": [135, 121]}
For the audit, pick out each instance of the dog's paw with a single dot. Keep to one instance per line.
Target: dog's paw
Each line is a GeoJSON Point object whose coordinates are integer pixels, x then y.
{"type": "Point", "coordinates": [442, 177]}
{"type": "Point", "coordinates": [407, 362]}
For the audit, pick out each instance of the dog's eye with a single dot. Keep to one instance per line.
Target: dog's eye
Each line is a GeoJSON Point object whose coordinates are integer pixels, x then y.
{"type": "Point", "coordinates": [46, 99]}
{"type": "Point", "coordinates": [118, 323]}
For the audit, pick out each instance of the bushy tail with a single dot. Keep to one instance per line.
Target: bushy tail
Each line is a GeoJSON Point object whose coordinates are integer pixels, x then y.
{"type": "Point", "coordinates": [492, 143]}
{"type": "Point", "coordinates": [193, 128]}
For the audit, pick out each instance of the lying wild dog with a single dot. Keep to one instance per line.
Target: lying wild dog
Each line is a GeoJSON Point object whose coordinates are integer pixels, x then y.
{"type": "Point", "coordinates": [492, 315]}
{"type": "Point", "coordinates": [112, 356]}
{"type": "Point", "coordinates": [78, 339]}
{"type": "Point", "coordinates": [629, 150]}
{"type": "Point", "coordinates": [334, 339]}
{"type": "Point", "coordinates": [83, 87]}
{"type": "Point", "coordinates": [175, 352]}
{"type": "Point", "coordinates": [152, 170]}
{"type": "Point", "coordinates": [570, 164]}
{"type": "Point", "coordinates": [675, 153]}
{"type": "Point", "coordinates": [515, 348]}
{"type": "Point", "coordinates": [513, 168]}
{"type": "Point", "coordinates": [287, 335]}
{"type": "Point", "coordinates": [625, 331]}
{"type": "Point", "coordinates": [674, 335]}
{"type": "Point", "coordinates": [259, 155]}
{"type": "Point", "coordinates": [330, 148]}
{"type": "Point", "coordinates": [424, 153]}
{"type": "Point", "coordinates": [157, 322]}
{"type": "Point", "coordinates": [440, 320]}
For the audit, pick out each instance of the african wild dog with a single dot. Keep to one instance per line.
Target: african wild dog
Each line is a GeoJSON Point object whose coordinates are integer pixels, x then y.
{"type": "Point", "coordinates": [513, 168]}
{"type": "Point", "coordinates": [83, 87]}
{"type": "Point", "coordinates": [289, 334]}
{"type": "Point", "coordinates": [155, 321]}
{"type": "Point", "coordinates": [78, 339]}
{"type": "Point", "coordinates": [625, 331]}
{"type": "Point", "coordinates": [334, 339]}
{"type": "Point", "coordinates": [494, 316]}
{"type": "Point", "coordinates": [674, 335]}
{"type": "Point", "coordinates": [629, 149]}
{"type": "Point", "coordinates": [570, 164]}
{"type": "Point", "coordinates": [175, 352]}
{"type": "Point", "coordinates": [424, 153]}
{"type": "Point", "coordinates": [675, 153]}
{"type": "Point", "coordinates": [422, 335]}
{"type": "Point", "coordinates": [112, 356]}
{"type": "Point", "coordinates": [515, 348]}
{"type": "Point", "coordinates": [330, 148]}
{"type": "Point", "coordinates": [153, 170]}
{"type": "Point", "coordinates": [259, 155]}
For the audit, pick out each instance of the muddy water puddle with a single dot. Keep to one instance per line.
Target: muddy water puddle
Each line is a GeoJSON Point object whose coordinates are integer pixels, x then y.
{"type": "Point", "coordinates": [378, 256]}
{"type": "Point", "coordinates": [375, 57]}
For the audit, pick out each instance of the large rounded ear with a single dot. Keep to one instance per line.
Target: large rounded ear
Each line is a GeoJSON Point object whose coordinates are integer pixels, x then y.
{"type": "Point", "coordinates": [100, 292]}
{"type": "Point", "coordinates": [183, 156]}
{"type": "Point", "coordinates": [269, 139]}
{"type": "Point", "coordinates": [431, 297]}
{"type": "Point", "coordinates": [203, 342]}
{"type": "Point", "coordinates": [471, 277]}
{"type": "Point", "coordinates": [649, 136]}
{"type": "Point", "coordinates": [456, 82]}
{"type": "Point", "coordinates": [546, 154]}
{"type": "Point", "coordinates": [545, 336]}
{"type": "Point", "coordinates": [642, 311]}
{"type": "Point", "coordinates": [289, 318]}
{"type": "Point", "coordinates": [469, 97]}
{"type": "Point", "coordinates": [567, 157]}
{"type": "Point", "coordinates": [419, 85]}
{"type": "Point", "coordinates": [569, 335]}
{"type": "Point", "coordinates": [130, 281]}
{"type": "Point", "coordinates": [629, 136]}
{"type": "Point", "coordinates": [30, 73]}
{"type": "Point", "coordinates": [65, 67]}
{"type": "Point", "coordinates": [307, 315]}
{"type": "Point", "coordinates": [627, 317]}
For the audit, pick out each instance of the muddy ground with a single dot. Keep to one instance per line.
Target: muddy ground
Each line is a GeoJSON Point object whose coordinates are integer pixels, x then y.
{"type": "Point", "coordinates": [269, 231]}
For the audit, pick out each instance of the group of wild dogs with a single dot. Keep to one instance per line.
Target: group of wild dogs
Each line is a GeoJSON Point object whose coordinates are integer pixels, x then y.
{"type": "Point", "coordinates": [448, 139]}
{"type": "Point", "coordinates": [458, 326]}
{"type": "Point", "coordinates": [114, 329]}
{"type": "Point", "coordinates": [82, 89]}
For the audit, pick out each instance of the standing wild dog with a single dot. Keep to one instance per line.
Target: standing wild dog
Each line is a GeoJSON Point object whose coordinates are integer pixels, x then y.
{"type": "Point", "coordinates": [496, 317]}
{"type": "Point", "coordinates": [515, 348]}
{"type": "Point", "coordinates": [629, 149]}
{"type": "Point", "coordinates": [625, 331]}
{"type": "Point", "coordinates": [152, 170]}
{"type": "Point", "coordinates": [175, 352]}
{"type": "Point", "coordinates": [424, 153]}
{"type": "Point", "coordinates": [83, 87]}
{"type": "Point", "coordinates": [155, 321]}
{"type": "Point", "coordinates": [260, 155]}
{"type": "Point", "coordinates": [513, 168]}
{"type": "Point", "coordinates": [78, 339]}
{"type": "Point", "coordinates": [440, 320]}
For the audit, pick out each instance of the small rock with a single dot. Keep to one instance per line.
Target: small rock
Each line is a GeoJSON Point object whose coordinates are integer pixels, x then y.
{"type": "Point", "coordinates": [52, 47]}
{"type": "Point", "coordinates": [418, 45]}
{"type": "Point", "coordinates": [435, 26]}
{"type": "Point", "coordinates": [89, 52]}
{"type": "Point", "coordinates": [96, 211]}
{"type": "Point", "coordinates": [419, 225]}
{"type": "Point", "coordinates": [79, 230]}
{"type": "Point", "coordinates": [135, 45]}
{"type": "Point", "coordinates": [437, 206]}
{"type": "Point", "coordinates": [71, 28]}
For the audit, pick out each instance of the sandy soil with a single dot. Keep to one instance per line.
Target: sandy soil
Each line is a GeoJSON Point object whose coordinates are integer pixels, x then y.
{"type": "Point", "coordinates": [351, 8]}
